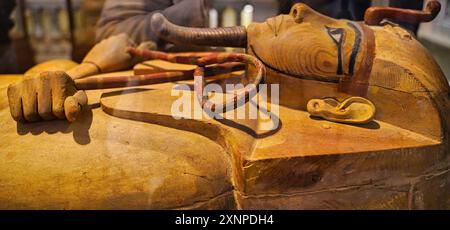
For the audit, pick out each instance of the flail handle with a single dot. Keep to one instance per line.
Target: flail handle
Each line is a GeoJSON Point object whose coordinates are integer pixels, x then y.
{"type": "Point", "coordinates": [374, 15]}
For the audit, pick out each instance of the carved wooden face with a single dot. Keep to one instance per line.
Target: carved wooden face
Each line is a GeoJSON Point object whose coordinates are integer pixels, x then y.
{"type": "Point", "coordinates": [312, 56]}
{"type": "Point", "coordinates": [384, 64]}
{"type": "Point", "coordinates": [307, 44]}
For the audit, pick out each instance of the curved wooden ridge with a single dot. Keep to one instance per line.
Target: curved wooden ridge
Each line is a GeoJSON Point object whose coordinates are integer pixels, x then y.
{"type": "Point", "coordinates": [128, 150]}
{"type": "Point", "coordinates": [306, 163]}
{"type": "Point", "coordinates": [125, 161]}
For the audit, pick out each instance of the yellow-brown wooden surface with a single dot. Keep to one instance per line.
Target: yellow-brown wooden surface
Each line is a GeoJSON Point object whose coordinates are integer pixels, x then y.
{"type": "Point", "coordinates": [126, 151]}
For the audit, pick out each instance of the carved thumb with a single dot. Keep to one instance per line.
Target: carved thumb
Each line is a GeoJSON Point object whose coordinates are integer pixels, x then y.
{"type": "Point", "coordinates": [74, 104]}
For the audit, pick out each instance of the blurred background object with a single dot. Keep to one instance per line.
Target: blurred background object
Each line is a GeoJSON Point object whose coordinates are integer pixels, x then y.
{"type": "Point", "coordinates": [53, 29]}
{"type": "Point", "coordinates": [436, 37]}
{"type": "Point", "coordinates": [65, 29]}
{"type": "Point", "coordinates": [16, 55]}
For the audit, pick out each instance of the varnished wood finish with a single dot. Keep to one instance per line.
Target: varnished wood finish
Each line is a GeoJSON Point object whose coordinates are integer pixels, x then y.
{"type": "Point", "coordinates": [135, 154]}
{"type": "Point", "coordinates": [403, 82]}
{"type": "Point", "coordinates": [312, 163]}
{"type": "Point", "coordinates": [290, 168]}
{"type": "Point", "coordinates": [104, 162]}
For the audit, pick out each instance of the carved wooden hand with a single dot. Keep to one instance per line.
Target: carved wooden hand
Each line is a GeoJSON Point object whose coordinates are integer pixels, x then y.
{"type": "Point", "coordinates": [48, 91]}
{"type": "Point", "coordinates": [45, 95]}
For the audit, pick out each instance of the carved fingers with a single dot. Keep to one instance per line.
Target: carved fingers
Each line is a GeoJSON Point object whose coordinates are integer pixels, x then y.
{"type": "Point", "coordinates": [45, 96]}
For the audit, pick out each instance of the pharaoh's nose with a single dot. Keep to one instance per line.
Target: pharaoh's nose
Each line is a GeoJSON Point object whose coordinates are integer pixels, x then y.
{"type": "Point", "coordinates": [299, 11]}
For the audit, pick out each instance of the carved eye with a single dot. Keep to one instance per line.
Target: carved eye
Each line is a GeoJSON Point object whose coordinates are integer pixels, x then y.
{"type": "Point", "coordinates": [336, 34]}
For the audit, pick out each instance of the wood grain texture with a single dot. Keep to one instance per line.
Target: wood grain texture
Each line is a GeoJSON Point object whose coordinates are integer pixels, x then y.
{"type": "Point", "coordinates": [135, 154]}
{"type": "Point", "coordinates": [289, 169]}
{"type": "Point", "coordinates": [295, 161]}
{"type": "Point", "coordinates": [104, 162]}
{"type": "Point", "coordinates": [306, 50]}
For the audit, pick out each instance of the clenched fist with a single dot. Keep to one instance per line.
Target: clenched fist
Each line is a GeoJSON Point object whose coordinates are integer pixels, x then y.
{"type": "Point", "coordinates": [45, 96]}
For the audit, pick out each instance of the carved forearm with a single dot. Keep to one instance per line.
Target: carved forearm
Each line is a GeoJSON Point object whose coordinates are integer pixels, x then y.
{"type": "Point", "coordinates": [85, 69]}
{"type": "Point", "coordinates": [133, 17]}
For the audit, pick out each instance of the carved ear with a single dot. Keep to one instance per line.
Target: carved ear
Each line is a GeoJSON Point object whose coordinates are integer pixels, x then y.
{"type": "Point", "coordinates": [353, 110]}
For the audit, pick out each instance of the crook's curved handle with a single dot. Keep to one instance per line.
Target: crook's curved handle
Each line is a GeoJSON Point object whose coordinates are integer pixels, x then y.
{"type": "Point", "coordinates": [241, 96]}
{"type": "Point", "coordinates": [374, 15]}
